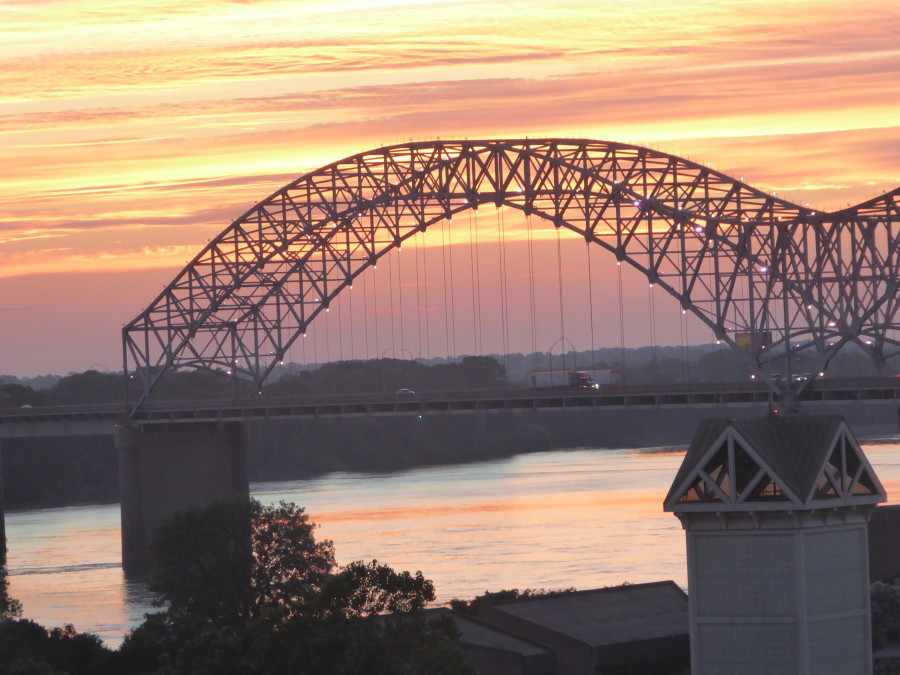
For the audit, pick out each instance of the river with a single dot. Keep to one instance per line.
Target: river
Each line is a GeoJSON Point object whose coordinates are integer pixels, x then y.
{"type": "Point", "coordinates": [570, 518]}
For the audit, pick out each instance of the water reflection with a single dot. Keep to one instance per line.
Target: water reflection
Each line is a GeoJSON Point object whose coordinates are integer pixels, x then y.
{"type": "Point", "coordinates": [583, 518]}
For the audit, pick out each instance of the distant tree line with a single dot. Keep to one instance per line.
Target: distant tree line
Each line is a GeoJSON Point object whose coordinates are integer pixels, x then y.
{"type": "Point", "coordinates": [644, 365]}
{"type": "Point", "coordinates": [344, 377]}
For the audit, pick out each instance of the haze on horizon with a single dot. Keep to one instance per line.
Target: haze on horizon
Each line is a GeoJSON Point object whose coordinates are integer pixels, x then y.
{"type": "Point", "coordinates": [133, 132]}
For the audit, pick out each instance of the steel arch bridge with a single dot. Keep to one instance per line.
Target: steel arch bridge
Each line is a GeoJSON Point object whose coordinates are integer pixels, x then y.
{"type": "Point", "coordinates": [767, 276]}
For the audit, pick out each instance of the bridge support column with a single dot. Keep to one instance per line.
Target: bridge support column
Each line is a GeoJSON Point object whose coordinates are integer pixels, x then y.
{"type": "Point", "coordinates": [167, 467]}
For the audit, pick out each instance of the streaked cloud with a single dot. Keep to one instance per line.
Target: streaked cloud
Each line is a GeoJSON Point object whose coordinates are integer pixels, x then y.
{"type": "Point", "coordinates": [133, 132]}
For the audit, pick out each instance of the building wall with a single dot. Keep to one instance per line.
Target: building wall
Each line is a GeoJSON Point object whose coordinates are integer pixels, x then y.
{"type": "Point", "coordinates": [779, 593]}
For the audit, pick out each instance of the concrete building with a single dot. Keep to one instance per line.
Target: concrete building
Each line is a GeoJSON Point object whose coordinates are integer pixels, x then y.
{"type": "Point", "coordinates": [639, 629]}
{"type": "Point", "coordinates": [775, 512]}
{"type": "Point", "coordinates": [491, 651]}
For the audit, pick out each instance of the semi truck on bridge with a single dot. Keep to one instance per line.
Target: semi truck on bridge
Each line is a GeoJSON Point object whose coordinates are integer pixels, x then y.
{"type": "Point", "coordinates": [573, 379]}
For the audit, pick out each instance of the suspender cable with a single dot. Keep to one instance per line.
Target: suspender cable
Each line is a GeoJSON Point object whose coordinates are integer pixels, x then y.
{"type": "Point", "coordinates": [478, 286]}
{"type": "Point", "coordinates": [652, 303]}
{"type": "Point", "coordinates": [621, 319]}
{"type": "Point", "coordinates": [452, 294]}
{"type": "Point", "coordinates": [327, 336]}
{"type": "Point", "coordinates": [591, 303]}
{"type": "Point", "coordinates": [303, 350]}
{"type": "Point", "coordinates": [400, 301]}
{"type": "Point", "coordinates": [315, 344]}
{"type": "Point", "coordinates": [365, 315]}
{"type": "Point", "coordinates": [425, 280]}
{"type": "Point", "coordinates": [390, 276]}
{"type": "Point", "coordinates": [350, 304]}
{"type": "Point", "coordinates": [475, 311]}
{"type": "Point", "coordinates": [375, 311]}
{"type": "Point", "coordinates": [562, 316]}
{"type": "Point", "coordinates": [340, 322]}
{"type": "Point", "coordinates": [504, 290]}
{"type": "Point", "coordinates": [531, 294]}
{"type": "Point", "coordinates": [446, 308]}
{"type": "Point", "coordinates": [418, 295]}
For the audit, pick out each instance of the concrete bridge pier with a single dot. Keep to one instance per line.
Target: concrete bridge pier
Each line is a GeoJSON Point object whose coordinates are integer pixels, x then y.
{"type": "Point", "coordinates": [167, 467]}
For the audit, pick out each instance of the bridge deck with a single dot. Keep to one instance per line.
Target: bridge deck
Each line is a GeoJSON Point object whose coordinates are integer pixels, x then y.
{"type": "Point", "coordinates": [104, 418]}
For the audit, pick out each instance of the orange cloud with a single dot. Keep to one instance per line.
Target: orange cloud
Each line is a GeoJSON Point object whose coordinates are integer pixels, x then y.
{"type": "Point", "coordinates": [132, 132]}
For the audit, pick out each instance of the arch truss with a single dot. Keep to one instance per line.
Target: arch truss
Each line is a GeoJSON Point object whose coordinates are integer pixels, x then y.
{"type": "Point", "coordinates": [767, 276]}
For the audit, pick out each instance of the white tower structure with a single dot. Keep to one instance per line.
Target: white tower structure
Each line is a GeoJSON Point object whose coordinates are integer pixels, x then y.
{"type": "Point", "coordinates": [775, 512]}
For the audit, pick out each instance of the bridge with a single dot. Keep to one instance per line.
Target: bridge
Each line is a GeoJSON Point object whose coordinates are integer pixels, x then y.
{"type": "Point", "coordinates": [102, 419]}
{"type": "Point", "coordinates": [780, 283]}
{"type": "Point", "coordinates": [774, 279]}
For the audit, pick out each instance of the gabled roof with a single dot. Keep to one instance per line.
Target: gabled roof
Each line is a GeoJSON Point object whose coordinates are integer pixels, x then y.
{"type": "Point", "coordinates": [608, 616]}
{"type": "Point", "coordinates": [773, 462]}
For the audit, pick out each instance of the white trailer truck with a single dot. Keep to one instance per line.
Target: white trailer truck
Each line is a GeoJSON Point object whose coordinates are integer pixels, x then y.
{"type": "Point", "coordinates": [560, 379]}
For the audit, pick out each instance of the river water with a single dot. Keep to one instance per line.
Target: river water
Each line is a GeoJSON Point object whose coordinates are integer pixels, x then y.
{"type": "Point", "coordinates": [579, 518]}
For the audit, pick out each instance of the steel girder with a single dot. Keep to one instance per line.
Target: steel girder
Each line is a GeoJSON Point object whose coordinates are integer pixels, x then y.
{"type": "Point", "coordinates": [767, 276]}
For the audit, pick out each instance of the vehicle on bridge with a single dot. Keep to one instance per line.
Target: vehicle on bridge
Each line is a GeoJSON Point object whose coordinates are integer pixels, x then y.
{"type": "Point", "coordinates": [561, 379]}
{"type": "Point", "coordinates": [607, 377]}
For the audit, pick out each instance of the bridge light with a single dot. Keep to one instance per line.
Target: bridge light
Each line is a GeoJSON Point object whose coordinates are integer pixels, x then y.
{"type": "Point", "coordinates": [868, 342]}
{"type": "Point", "coordinates": [831, 324]}
{"type": "Point", "coordinates": [763, 269]}
{"type": "Point", "coordinates": [637, 203]}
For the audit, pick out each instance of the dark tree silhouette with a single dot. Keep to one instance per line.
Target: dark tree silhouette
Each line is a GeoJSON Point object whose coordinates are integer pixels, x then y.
{"type": "Point", "coordinates": [232, 560]}
{"type": "Point", "coordinates": [250, 590]}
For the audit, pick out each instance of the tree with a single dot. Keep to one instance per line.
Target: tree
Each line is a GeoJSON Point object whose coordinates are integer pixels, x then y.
{"type": "Point", "coordinates": [250, 590]}
{"type": "Point", "coordinates": [232, 560]}
{"type": "Point", "coordinates": [28, 648]}
{"type": "Point", "coordinates": [367, 589]}
{"type": "Point", "coordinates": [14, 395]}
{"type": "Point", "coordinates": [885, 599]}
{"type": "Point", "coordinates": [10, 608]}
{"type": "Point", "coordinates": [90, 386]}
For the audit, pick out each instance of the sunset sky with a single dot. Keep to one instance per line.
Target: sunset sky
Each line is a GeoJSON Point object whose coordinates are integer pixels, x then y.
{"type": "Point", "coordinates": [132, 132]}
